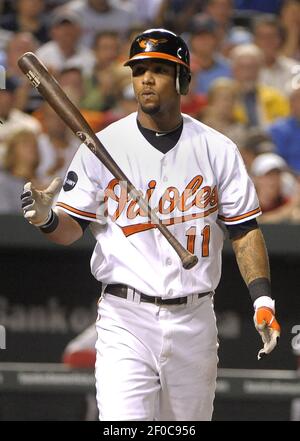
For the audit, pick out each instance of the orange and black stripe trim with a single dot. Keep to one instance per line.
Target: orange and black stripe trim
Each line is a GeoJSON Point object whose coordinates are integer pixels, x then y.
{"type": "Point", "coordinates": [159, 55]}
{"type": "Point", "coordinates": [242, 216]}
{"type": "Point", "coordinates": [128, 230]}
{"type": "Point", "coordinates": [75, 211]}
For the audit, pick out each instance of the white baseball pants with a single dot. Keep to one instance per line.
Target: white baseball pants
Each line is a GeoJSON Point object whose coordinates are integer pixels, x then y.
{"type": "Point", "coordinates": [156, 362]}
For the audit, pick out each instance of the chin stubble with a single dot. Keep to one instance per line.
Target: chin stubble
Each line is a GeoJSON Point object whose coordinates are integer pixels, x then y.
{"type": "Point", "coordinates": [150, 110]}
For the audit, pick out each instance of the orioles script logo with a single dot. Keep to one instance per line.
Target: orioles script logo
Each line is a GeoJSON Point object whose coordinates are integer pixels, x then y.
{"type": "Point", "coordinates": [195, 195]}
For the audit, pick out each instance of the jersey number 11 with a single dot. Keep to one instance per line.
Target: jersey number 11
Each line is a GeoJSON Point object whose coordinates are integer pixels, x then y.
{"type": "Point", "coordinates": [191, 237]}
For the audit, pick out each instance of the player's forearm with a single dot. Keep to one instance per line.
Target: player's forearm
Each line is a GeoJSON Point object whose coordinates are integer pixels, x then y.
{"type": "Point", "coordinates": [252, 257]}
{"type": "Point", "coordinates": [67, 230]}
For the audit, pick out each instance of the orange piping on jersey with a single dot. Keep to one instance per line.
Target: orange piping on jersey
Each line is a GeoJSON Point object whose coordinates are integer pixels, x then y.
{"type": "Point", "coordinates": [128, 230]}
{"type": "Point", "coordinates": [137, 228]}
{"type": "Point", "coordinates": [242, 216]}
{"type": "Point", "coordinates": [74, 210]}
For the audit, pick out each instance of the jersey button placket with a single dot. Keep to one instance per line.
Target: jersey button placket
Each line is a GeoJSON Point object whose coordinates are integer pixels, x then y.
{"type": "Point", "coordinates": [164, 172]}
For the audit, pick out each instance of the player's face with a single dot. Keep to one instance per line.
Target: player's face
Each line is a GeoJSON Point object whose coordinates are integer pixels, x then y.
{"type": "Point", "coordinates": [154, 85]}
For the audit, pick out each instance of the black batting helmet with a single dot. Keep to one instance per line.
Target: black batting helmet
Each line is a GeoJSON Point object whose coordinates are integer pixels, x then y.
{"type": "Point", "coordinates": [163, 45]}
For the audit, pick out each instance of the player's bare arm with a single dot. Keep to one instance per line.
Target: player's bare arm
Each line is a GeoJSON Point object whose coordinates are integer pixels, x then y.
{"type": "Point", "coordinates": [67, 231]}
{"type": "Point", "coordinates": [252, 258]}
{"type": "Point", "coordinates": [251, 255]}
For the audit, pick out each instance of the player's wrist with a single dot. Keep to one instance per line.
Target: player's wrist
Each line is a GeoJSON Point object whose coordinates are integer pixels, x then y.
{"type": "Point", "coordinates": [264, 302]}
{"type": "Point", "coordinates": [51, 223]}
{"type": "Point", "coordinates": [260, 288]}
{"type": "Point", "coordinates": [42, 223]}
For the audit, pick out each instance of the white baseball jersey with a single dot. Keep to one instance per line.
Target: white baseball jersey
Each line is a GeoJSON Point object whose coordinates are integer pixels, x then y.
{"type": "Point", "coordinates": [195, 187]}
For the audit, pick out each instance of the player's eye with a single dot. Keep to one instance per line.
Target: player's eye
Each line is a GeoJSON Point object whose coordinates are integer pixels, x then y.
{"type": "Point", "coordinates": [161, 69]}
{"type": "Point", "coordinates": [138, 70]}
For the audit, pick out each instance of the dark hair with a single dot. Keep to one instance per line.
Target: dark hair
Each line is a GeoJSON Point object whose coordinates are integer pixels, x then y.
{"type": "Point", "coordinates": [102, 34]}
{"type": "Point", "coordinates": [258, 141]}
{"type": "Point", "coordinates": [270, 20]}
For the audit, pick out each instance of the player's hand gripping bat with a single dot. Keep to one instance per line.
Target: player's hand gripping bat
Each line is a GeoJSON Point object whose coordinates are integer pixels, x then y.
{"type": "Point", "coordinates": [51, 91]}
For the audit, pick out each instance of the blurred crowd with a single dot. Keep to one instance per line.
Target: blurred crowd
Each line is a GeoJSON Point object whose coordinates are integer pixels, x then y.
{"type": "Point", "coordinates": [245, 61]}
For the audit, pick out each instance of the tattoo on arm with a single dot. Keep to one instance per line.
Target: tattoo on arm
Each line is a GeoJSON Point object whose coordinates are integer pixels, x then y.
{"type": "Point", "coordinates": [251, 255]}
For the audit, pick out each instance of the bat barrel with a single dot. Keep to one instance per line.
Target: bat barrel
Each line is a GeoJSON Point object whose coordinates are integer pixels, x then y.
{"type": "Point", "coordinates": [48, 87]}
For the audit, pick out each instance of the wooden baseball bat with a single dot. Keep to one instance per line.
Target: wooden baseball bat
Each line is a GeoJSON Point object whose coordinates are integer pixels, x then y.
{"type": "Point", "coordinates": [48, 87]}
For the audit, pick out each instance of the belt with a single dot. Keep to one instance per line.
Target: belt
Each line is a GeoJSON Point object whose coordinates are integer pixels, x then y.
{"type": "Point", "coordinates": [124, 291]}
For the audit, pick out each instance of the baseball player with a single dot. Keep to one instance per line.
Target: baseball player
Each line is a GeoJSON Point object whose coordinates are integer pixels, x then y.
{"type": "Point", "coordinates": [157, 337]}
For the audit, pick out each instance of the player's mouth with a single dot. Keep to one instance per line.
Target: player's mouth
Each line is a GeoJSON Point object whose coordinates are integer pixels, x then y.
{"type": "Point", "coordinates": [148, 93]}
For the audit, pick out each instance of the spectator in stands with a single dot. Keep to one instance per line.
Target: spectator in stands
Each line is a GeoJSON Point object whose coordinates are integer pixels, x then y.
{"type": "Point", "coordinates": [57, 146]}
{"type": "Point", "coordinates": [20, 163]}
{"type": "Point", "coordinates": [176, 14]}
{"type": "Point", "coordinates": [268, 6]}
{"type": "Point", "coordinates": [222, 12]}
{"type": "Point", "coordinates": [72, 82]}
{"type": "Point", "coordinates": [286, 133]}
{"type": "Point", "coordinates": [193, 103]}
{"type": "Point", "coordinates": [107, 48]}
{"type": "Point", "coordinates": [100, 15]}
{"type": "Point", "coordinates": [255, 143]}
{"type": "Point", "coordinates": [28, 17]}
{"type": "Point", "coordinates": [145, 11]}
{"type": "Point", "coordinates": [219, 114]}
{"type": "Point", "coordinates": [239, 35]}
{"type": "Point", "coordinates": [290, 20]}
{"type": "Point", "coordinates": [19, 43]}
{"type": "Point", "coordinates": [259, 105]}
{"type": "Point", "coordinates": [278, 70]}
{"type": "Point", "coordinates": [207, 63]}
{"type": "Point", "coordinates": [27, 98]}
{"type": "Point", "coordinates": [64, 50]}
{"type": "Point", "coordinates": [101, 84]}
{"type": "Point", "coordinates": [229, 33]}
{"type": "Point", "coordinates": [277, 189]}
{"type": "Point", "coordinates": [12, 119]}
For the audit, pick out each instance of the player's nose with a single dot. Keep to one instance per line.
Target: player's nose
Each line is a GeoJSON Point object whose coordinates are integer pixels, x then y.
{"type": "Point", "coordinates": [148, 77]}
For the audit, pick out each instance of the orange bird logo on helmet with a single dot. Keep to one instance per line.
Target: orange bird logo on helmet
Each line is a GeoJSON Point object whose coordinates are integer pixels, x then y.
{"type": "Point", "coordinates": [154, 42]}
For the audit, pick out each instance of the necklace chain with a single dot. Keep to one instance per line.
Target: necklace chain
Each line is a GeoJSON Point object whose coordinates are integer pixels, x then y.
{"type": "Point", "coordinates": [164, 132]}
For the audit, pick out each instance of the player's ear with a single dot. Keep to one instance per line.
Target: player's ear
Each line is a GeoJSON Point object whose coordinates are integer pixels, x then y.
{"type": "Point", "coordinates": [185, 83]}
{"type": "Point", "coordinates": [183, 79]}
